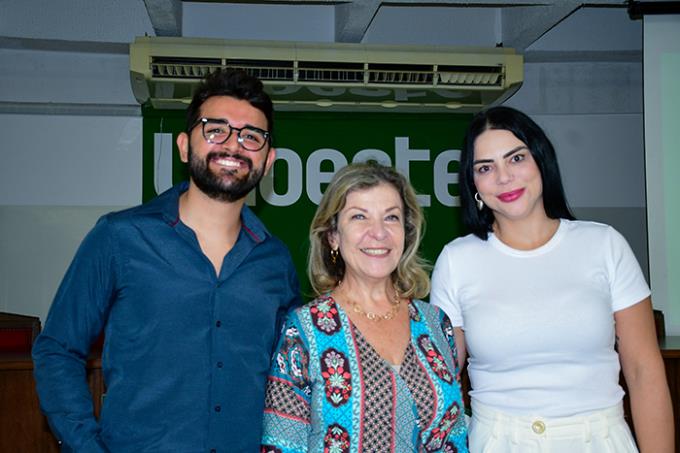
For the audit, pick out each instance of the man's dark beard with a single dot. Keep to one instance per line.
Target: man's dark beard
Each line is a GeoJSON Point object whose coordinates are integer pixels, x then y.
{"type": "Point", "coordinates": [214, 185]}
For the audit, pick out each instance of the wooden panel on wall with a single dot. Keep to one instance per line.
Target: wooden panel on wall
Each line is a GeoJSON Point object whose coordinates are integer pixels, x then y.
{"type": "Point", "coordinates": [23, 428]}
{"type": "Point", "coordinates": [670, 349]}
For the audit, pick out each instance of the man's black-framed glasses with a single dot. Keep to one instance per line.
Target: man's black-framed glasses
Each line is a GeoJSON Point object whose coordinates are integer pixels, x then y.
{"type": "Point", "coordinates": [217, 131]}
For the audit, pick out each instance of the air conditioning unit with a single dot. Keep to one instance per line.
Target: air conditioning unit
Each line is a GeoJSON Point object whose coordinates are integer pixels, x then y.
{"type": "Point", "coordinates": [338, 76]}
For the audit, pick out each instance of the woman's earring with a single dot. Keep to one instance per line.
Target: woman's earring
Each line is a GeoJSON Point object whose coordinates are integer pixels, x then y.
{"type": "Point", "coordinates": [480, 203]}
{"type": "Point", "coordinates": [334, 256]}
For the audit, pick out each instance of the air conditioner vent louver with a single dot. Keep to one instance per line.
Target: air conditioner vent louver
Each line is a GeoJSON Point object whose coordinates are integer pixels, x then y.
{"type": "Point", "coordinates": [265, 70]}
{"type": "Point", "coordinates": [471, 75]}
{"type": "Point", "coordinates": [322, 75]}
{"type": "Point", "coordinates": [165, 71]}
{"type": "Point", "coordinates": [407, 74]}
{"type": "Point", "coordinates": [177, 67]}
{"type": "Point", "coordinates": [330, 72]}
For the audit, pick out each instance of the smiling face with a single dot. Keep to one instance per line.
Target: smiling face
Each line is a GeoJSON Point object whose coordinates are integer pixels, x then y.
{"type": "Point", "coordinates": [507, 177]}
{"type": "Point", "coordinates": [370, 233]}
{"type": "Point", "coordinates": [226, 171]}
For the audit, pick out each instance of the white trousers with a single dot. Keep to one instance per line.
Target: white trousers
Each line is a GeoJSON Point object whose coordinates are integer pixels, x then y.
{"type": "Point", "coordinates": [603, 431]}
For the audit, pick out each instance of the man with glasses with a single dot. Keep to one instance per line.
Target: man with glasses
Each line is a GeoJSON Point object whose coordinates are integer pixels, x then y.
{"type": "Point", "coordinates": [190, 290]}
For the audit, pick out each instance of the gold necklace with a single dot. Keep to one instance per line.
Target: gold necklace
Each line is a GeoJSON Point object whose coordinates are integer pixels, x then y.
{"type": "Point", "coordinates": [375, 316]}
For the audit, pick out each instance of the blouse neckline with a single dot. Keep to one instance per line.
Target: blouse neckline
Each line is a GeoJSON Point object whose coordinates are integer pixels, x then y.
{"type": "Point", "coordinates": [392, 366]}
{"type": "Point", "coordinates": [543, 249]}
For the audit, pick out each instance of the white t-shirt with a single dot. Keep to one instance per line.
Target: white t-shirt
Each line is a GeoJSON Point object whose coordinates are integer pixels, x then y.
{"type": "Point", "coordinates": [539, 324]}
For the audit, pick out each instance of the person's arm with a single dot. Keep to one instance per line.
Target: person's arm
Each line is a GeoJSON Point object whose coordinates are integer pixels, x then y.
{"type": "Point", "coordinates": [460, 346]}
{"type": "Point", "coordinates": [294, 299]}
{"type": "Point", "coordinates": [460, 439]}
{"type": "Point", "coordinates": [442, 295]}
{"type": "Point", "coordinates": [456, 339]}
{"type": "Point", "coordinates": [643, 370]}
{"type": "Point", "coordinates": [291, 296]}
{"type": "Point", "coordinates": [287, 413]}
{"type": "Point", "coordinates": [60, 352]}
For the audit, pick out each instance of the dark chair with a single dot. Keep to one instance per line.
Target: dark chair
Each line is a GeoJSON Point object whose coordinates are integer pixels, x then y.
{"type": "Point", "coordinates": [17, 332]}
{"type": "Point", "coordinates": [659, 324]}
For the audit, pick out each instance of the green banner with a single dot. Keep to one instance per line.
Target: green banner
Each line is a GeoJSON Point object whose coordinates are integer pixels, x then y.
{"type": "Point", "coordinates": [311, 147]}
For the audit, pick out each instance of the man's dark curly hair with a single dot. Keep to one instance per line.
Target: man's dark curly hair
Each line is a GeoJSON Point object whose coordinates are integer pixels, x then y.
{"type": "Point", "coordinates": [237, 84]}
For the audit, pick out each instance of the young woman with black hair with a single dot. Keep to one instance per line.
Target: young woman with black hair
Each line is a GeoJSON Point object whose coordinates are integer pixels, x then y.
{"type": "Point", "coordinates": [547, 308]}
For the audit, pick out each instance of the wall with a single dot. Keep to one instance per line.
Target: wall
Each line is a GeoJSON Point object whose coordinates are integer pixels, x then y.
{"type": "Point", "coordinates": [71, 147]}
{"type": "Point", "coordinates": [71, 128]}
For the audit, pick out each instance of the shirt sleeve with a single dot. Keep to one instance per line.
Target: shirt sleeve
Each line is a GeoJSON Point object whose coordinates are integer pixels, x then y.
{"type": "Point", "coordinates": [290, 298]}
{"type": "Point", "coordinates": [447, 328]}
{"type": "Point", "coordinates": [626, 281]}
{"type": "Point", "coordinates": [75, 320]}
{"type": "Point", "coordinates": [287, 413]}
{"type": "Point", "coordinates": [443, 293]}
{"type": "Point", "coordinates": [458, 436]}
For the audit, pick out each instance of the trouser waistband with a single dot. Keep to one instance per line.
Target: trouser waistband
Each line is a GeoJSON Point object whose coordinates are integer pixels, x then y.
{"type": "Point", "coordinates": [503, 424]}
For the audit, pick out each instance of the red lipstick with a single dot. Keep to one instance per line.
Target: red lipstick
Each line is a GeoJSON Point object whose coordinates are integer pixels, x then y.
{"type": "Point", "coordinates": [508, 197]}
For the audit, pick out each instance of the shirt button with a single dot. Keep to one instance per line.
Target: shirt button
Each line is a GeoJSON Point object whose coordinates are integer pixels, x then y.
{"type": "Point", "coordinates": [220, 364]}
{"type": "Point", "coordinates": [218, 408]}
{"type": "Point", "coordinates": [538, 427]}
{"type": "Point", "coordinates": [218, 323]}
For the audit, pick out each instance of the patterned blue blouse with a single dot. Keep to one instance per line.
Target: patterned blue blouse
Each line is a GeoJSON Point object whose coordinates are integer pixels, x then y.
{"type": "Point", "coordinates": [330, 391]}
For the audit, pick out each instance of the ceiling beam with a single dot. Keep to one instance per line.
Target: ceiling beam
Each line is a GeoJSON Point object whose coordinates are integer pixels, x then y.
{"type": "Point", "coordinates": [522, 21]}
{"type": "Point", "coordinates": [429, 3]}
{"type": "Point", "coordinates": [165, 16]}
{"type": "Point", "coordinates": [353, 19]}
{"type": "Point", "coordinates": [523, 25]}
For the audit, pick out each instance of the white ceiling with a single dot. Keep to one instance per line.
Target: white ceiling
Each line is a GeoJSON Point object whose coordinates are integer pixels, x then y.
{"type": "Point", "coordinates": [106, 26]}
{"type": "Point", "coordinates": [521, 22]}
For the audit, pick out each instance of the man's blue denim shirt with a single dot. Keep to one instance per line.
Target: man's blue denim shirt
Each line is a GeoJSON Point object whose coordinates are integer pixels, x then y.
{"type": "Point", "coordinates": [187, 352]}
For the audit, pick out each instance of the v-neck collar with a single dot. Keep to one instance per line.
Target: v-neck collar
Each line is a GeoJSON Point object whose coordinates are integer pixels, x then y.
{"type": "Point", "coordinates": [356, 331]}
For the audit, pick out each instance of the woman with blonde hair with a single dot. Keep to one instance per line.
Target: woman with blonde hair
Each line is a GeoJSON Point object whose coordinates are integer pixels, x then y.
{"type": "Point", "coordinates": [366, 366]}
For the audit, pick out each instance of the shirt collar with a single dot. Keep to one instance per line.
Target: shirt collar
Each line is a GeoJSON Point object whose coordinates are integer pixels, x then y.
{"type": "Point", "coordinates": [167, 204]}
